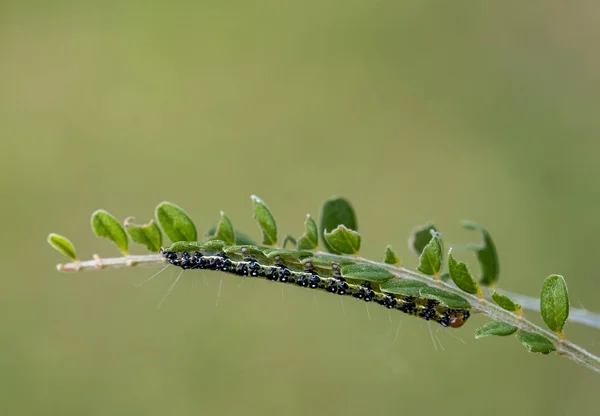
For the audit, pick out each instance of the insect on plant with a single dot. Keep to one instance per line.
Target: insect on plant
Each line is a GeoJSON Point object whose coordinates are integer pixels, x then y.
{"type": "Point", "coordinates": [448, 298]}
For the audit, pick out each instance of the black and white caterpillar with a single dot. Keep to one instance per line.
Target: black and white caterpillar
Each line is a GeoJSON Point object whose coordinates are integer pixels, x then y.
{"type": "Point", "coordinates": [249, 266]}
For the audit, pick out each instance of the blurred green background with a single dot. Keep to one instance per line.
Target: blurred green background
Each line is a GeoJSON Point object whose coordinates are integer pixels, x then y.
{"type": "Point", "coordinates": [415, 111]}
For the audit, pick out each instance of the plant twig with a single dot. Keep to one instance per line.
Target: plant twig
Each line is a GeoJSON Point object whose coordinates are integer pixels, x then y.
{"type": "Point", "coordinates": [495, 312]}
{"type": "Point", "coordinates": [98, 263]}
{"type": "Point", "coordinates": [576, 315]}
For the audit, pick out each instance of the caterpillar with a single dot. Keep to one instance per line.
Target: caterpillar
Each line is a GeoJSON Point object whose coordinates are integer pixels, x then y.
{"type": "Point", "coordinates": [252, 263]}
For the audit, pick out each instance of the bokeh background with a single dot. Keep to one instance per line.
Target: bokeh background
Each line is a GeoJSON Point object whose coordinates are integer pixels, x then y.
{"type": "Point", "coordinates": [413, 110]}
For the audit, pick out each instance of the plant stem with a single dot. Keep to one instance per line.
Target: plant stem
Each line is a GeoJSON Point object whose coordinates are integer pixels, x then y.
{"type": "Point", "coordinates": [495, 312]}
{"type": "Point", "coordinates": [97, 263]}
{"type": "Point", "coordinates": [576, 315]}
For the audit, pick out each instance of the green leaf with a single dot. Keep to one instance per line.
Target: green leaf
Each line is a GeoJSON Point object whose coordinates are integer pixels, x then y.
{"type": "Point", "coordinates": [486, 254]}
{"type": "Point", "coordinates": [288, 255]}
{"type": "Point", "coordinates": [180, 246]}
{"type": "Point", "coordinates": [495, 328]}
{"type": "Point", "coordinates": [419, 237]}
{"type": "Point", "coordinates": [63, 245]}
{"type": "Point", "coordinates": [334, 212]}
{"type": "Point", "coordinates": [366, 272]}
{"type": "Point", "coordinates": [107, 226]}
{"type": "Point", "coordinates": [211, 246]}
{"type": "Point", "coordinates": [266, 221]}
{"type": "Point", "coordinates": [535, 342]}
{"type": "Point", "coordinates": [326, 258]}
{"type": "Point", "coordinates": [324, 263]}
{"type": "Point", "coordinates": [445, 298]}
{"type": "Point", "coordinates": [175, 222]}
{"type": "Point", "coordinates": [430, 261]}
{"type": "Point", "coordinates": [505, 302]}
{"type": "Point", "coordinates": [343, 240]}
{"type": "Point", "coordinates": [289, 239]}
{"type": "Point", "coordinates": [244, 250]}
{"type": "Point", "coordinates": [405, 287]}
{"type": "Point", "coordinates": [204, 247]}
{"type": "Point", "coordinates": [243, 239]}
{"type": "Point", "coordinates": [416, 288]}
{"type": "Point", "coordinates": [459, 272]}
{"type": "Point", "coordinates": [240, 238]}
{"type": "Point", "coordinates": [310, 238]}
{"type": "Point", "coordinates": [146, 234]}
{"type": "Point", "coordinates": [224, 231]}
{"type": "Point", "coordinates": [554, 302]}
{"type": "Point", "coordinates": [391, 257]}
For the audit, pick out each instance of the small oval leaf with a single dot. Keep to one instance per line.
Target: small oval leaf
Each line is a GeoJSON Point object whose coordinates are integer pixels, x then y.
{"type": "Point", "coordinates": [266, 221]}
{"type": "Point", "coordinates": [175, 222]}
{"type": "Point", "coordinates": [63, 245]}
{"type": "Point", "coordinates": [244, 250]}
{"type": "Point", "coordinates": [486, 254]}
{"type": "Point", "coordinates": [288, 255]}
{"type": "Point", "coordinates": [324, 263]}
{"type": "Point", "coordinates": [430, 261]}
{"type": "Point", "coordinates": [419, 237]}
{"type": "Point", "coordinates": [310, 238]}
{"type": "Point", "coordinates": [212, 246]}
{"type": "Point", "coordinates": [224, 231]}
{"type": "Point", "coordinates": [405, 287]}
{"type": "Point", "coordinates": [240, 238]}
{"type": "Point", "coordinates": [535, 342]}
{"type": "Point", "coordinates": [445, 298]}
{"type": "Point", "coordinates": [343, 240]}
{"type": "Point", "coordinates": [554, 302]}
{"type": "Point", "coordinates": [243, 239]}
{"type": "Point", "coordinates": [505, 302]}
{"type": "Point", "coordinates": [366, 272]}
{"type": "Point", "coordinates": [181, 246]}
{"type": "Point", "coordinates": [289, 239]}
{"type": "Point", "coordinates": [459, 272]}
{"type": "Point", "coordinates": [495, 328]}
{"type": "Point", "coordinates": [107, 226]}
{"type": "Point", "coordinates": [204, 247]}
{"type": "Point", "coordinates": [390, 256]}
{"type": "Point", "coordinates": [146, 234]}
{"type": "Point", "coordinates": [334, 212]}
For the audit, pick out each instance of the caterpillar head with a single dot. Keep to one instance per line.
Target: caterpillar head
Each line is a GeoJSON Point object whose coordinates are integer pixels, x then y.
{"type": "Point", "coordinates": [458, 318]}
